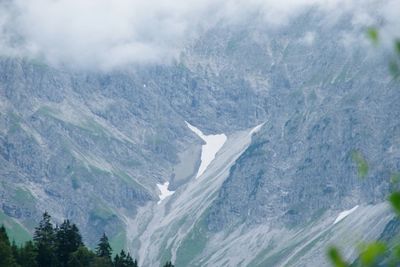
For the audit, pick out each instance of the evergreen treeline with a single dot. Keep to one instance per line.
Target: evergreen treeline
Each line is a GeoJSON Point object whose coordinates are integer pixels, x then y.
{"type": "Point", "coordinates": [60, 246]}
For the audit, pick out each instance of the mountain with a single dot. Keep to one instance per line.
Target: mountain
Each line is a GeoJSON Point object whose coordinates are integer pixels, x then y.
{"type": "Point", "coordinates": [261, 146]}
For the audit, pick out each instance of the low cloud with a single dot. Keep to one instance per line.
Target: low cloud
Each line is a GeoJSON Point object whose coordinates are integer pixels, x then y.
{"type": "Point", "coordinates": [102, 34]}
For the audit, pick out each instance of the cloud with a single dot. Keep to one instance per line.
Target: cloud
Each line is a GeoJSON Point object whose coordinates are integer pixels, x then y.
{"type": "Point", "coordinates": [102, 34]}
{"type": "Point", "coordinates": [308, 38]}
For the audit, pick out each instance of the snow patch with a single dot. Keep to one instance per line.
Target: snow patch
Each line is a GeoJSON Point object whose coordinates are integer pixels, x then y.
{"type": "Point", "coordinates": [164, 192]}
{"type": "Point", "coordinates": [256, 129]}
{"type": "Point", "coordinates": [344, 214]}
{"type": "Point", "coordinates": [213, 143]}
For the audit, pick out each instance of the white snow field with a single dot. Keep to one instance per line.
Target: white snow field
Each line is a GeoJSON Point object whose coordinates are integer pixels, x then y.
{"type": "Point", "coordinates": [164, 192]}
{"type": "Point", "coordinates": [344, 214]}
{"type": "Point", "coordinates": [213, 143]}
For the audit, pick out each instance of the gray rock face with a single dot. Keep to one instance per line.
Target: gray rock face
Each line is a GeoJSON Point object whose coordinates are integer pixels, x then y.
{"type": "Point", "coordinates": [330, 113]}
{"type": "Point", "coordinates": [92, 146]}
{"type": "Point", "coordinates": [306, 150]}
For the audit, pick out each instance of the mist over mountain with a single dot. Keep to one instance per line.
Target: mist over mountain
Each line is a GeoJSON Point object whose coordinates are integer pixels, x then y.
{"type": "Point", "coordinates": [104, 35]}
{"type": "Point", "coordinates": [209, 133]}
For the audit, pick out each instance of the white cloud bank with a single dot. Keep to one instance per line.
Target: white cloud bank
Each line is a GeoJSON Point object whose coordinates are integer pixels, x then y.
{"type": "Point", "coordinates": [108, 33]}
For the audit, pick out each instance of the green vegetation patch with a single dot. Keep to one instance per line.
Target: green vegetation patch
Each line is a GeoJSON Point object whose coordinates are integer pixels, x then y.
{"type": "Point", "coordinates": [274, 258]}
{"type": "Point", "coordinates": [166, 254]}
{"type": "Point", "coordinates": [85, 123]}
{"type": "Point", "coordinates": [361, 162]}
{"type": "Point", "coordinates": [94, 127]}
{"type": "Point", "coordinates": [15, 121]}
{"type": "Point", "coordinates": [192, 245]}
{"type": "Point", "coordinates": [23, 196]}
{"type": "Point", "coordinates": [48, 111]}
{"type": "Point", "coordinates": [15, 230]}
{"type": "Point", "coordinates": [102, 212]}
{"type": "Point", "coordinates": [118, 241]}
{"type": "Point", "coordinates": [127, 178]}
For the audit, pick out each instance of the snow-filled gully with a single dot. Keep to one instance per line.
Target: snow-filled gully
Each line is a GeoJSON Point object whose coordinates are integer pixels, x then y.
{"type": "Point", "coordinates": [213, 143]}
{"type": "Point", "coordinates": [164, 192]}
{"type": "Point", "coordinates": [344, 214]}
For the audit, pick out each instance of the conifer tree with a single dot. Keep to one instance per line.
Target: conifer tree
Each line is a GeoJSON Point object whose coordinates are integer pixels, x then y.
{"type": "Point", "coordinates": [68, 240]}
{"type": "Point", "coordinates": [117, 261]}
{"type": "Point", "coordinates": [103, 249]}
{"type": "Point", "coordinates": [124, 260]}
{"type": "Point", "coordinates": [45, 242]}
{"type": "Point", "coordinates": [130, 262]}
{"type": "Point", "coordinates": [6, 255]}
{"type": "Point", "coordinates": [82, 257]}
{"type": "Point", "coordinates": [27, 255]}
{"type": "Point", "coordinates": [169, 264]}
{"type": "Point", "coordinates": [3, 235]}
{"type": "Point", "coordinates": [15, 251]}
{"type": "Point", "coordinates": [101, 262]}
{"type": "Point", "coordinates": [60, 247]}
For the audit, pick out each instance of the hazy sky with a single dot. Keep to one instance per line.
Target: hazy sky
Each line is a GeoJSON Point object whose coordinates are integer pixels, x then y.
{"type": "Point", "coordinates": [108, 33]}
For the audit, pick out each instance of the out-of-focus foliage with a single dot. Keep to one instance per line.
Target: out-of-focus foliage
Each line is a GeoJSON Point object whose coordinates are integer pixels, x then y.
{"type": "Point", "coordinates": [394, 257]}
{"type": "Point", "coordinates": [397, 46]}
{"type": "Point", "coordinates": [362, 164]}
{"type": "Point", "coordinates": [373, 35]}
{"type": "Point", "coordinates": [336, 258]}
{"type": "Point", "coordinates": [371, 253]}
{"type": "Point", "coordinates": [394, 64]}
{"type": "Point", "coordinates": [394, 200]}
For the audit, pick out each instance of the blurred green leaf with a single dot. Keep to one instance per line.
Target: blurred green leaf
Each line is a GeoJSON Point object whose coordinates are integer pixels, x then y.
{"type": "Point", "coordinates": [395, 256]}
{"type": "Point", "coordinates": [394, 199]}
{"type": "Point", "coordinates": [362, 164]}
{"type": "Point", "coordinates": [397, 46]}
{"type": "Point", "coordinates": [371, 252]}
{"type": "Point", "coordinates": [336, 258]}
{"type": "Point", "coordinates": [373, 35]}
{"type": "Point", "coordinates": [396, 251]}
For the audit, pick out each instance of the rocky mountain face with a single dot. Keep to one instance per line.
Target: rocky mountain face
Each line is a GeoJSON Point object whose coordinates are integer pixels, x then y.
{"type": "Point", "coordinates": [86, 146]}
{"type": "Point", "coordinates": [92, 146]}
